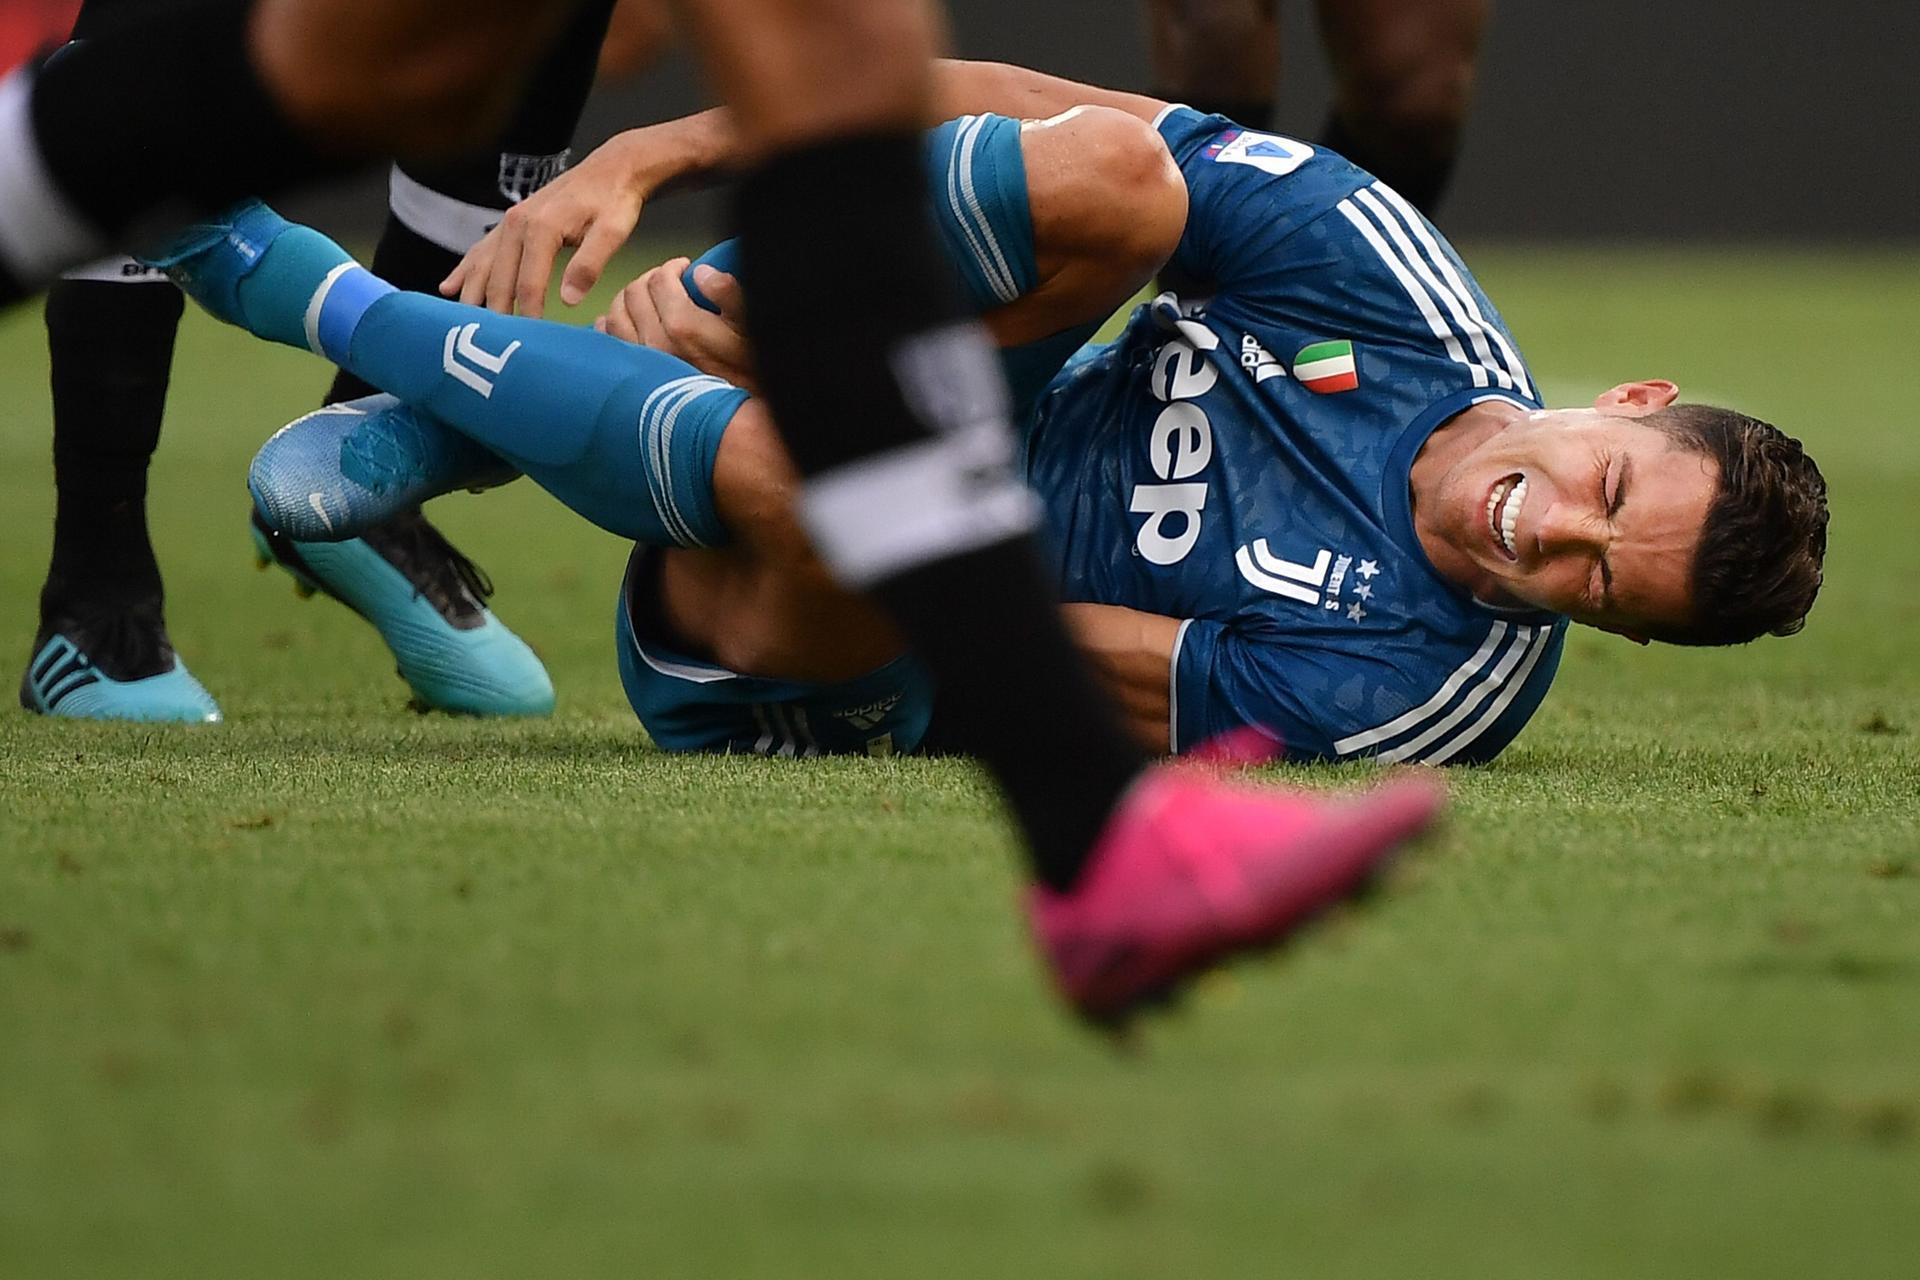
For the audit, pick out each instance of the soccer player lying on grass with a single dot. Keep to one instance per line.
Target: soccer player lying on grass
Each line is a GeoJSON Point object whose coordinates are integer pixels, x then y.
{"type": "Point", "coordinates": [1322, 501]}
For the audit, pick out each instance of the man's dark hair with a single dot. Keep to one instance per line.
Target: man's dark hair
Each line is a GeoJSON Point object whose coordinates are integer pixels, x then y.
{"type": "Point", "coordinates": [1758, 565]}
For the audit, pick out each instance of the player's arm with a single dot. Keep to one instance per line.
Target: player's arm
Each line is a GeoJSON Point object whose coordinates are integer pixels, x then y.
{"type": "Point", "coordinates": [595, 206]}
{"type": "Point", "coordinates": [1108, 206]}
{"type": "Point", "coordinates": [1133, 654]}
{"type": "Point", "coordinates": [1092, 207]}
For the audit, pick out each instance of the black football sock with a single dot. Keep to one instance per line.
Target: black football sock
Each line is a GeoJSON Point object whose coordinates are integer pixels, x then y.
{"type": "Point", "coordinates": [896, 415]}
{"type": "Point", "coordinates": [1419, 170]}
{"type": "Point", "coordinates": [110, 349]}
{"type": "Point", "coordinates": [158, 113]}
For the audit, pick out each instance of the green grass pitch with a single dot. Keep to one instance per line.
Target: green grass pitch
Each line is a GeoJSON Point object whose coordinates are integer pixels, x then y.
{"type": "Point", "coordinates": [338, 990]}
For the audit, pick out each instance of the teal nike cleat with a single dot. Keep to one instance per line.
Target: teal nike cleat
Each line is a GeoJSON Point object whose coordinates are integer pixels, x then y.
{"type": "Point", "coordinates": [428, 602]}
{"type": "Point", "coordinates": [347, 468]}
{"type": "Point", "coordinates": [118, 666]}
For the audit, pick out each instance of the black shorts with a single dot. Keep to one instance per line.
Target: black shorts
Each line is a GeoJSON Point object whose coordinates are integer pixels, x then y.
{"type": "Point", "coordinates": [533, 146]}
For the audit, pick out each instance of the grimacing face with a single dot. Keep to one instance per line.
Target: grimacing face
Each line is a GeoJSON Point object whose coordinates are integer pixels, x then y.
{"type": "Point", "coordinates": [1588, 513]}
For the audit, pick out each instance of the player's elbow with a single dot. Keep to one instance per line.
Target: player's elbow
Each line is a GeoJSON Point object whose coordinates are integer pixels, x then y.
{"type": "Point", "coordinates": [1128, 198]}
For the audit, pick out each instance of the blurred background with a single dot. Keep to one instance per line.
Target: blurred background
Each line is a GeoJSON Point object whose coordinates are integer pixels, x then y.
{"type": "Point", "coordinates": [339, 990]}
{"type": "Point", "coordinates": [1636, 118]}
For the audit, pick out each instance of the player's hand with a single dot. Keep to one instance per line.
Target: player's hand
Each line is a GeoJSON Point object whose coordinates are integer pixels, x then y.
{"type": "Point", "coordinates": [656, 311]}
{"type": "Point", "coordinates": [592, 208]}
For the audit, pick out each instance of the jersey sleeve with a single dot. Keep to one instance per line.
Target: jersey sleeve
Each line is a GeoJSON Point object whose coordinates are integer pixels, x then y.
{"type": "Point", "coordinates": [1250, 193]}
{"type": "Point", "coordinates": [1327, 704]}
{"type": "Point", "coordinates": [1296, 241]}
{"type": "Point", "coordinates": [976, 174]}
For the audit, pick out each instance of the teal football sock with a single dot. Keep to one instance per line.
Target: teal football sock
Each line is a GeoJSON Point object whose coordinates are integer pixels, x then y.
{"type": "Point", "coordinates": [624, 435]}
{"type": "Point", "coordinates": [276, 294]}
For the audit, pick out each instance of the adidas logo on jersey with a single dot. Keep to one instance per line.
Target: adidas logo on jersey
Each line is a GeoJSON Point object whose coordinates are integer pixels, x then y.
{"type": "Point", "coordinates": [1258, 361]}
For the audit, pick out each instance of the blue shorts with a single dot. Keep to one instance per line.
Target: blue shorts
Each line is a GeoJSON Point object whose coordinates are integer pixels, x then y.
{"type": "Point", "coordinates": [689, 705]}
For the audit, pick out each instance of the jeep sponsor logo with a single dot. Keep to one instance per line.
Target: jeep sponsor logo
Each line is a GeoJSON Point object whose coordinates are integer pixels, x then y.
{"type": "Point", "coordinates": [1179, 447]}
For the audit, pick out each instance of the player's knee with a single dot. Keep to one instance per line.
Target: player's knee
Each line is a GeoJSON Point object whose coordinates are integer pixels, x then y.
{"type": "Point", "coordinates": [437, 106]}
{"type": "Point", "coordinates": [392, 90]}
{"type": "Point", "coordinates": [638, 33]}
{"type": "Point", "coordinates": [802, 72]}
{"type": "Point", "coordinates": [755, 488]}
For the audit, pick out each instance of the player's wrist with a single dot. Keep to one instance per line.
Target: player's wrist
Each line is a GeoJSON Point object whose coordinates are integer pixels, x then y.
{"type": "Point", "coordinates": [678, 153]}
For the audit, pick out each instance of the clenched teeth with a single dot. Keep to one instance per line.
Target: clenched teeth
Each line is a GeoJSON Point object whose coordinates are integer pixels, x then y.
{"type": "Point", "coordinates": [1503, 511]}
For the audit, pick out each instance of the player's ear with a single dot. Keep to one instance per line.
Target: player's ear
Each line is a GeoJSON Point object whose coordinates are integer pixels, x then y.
{"type": "Point", "coordinates": [1633, 399]}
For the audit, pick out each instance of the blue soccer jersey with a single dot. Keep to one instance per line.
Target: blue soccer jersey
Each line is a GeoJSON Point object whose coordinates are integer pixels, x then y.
{"type": "Point", "coordinates": [1241, 462]}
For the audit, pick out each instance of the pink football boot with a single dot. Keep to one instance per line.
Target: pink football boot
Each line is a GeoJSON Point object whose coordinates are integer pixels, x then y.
{"type": "Point", "coordinates": [1192, 870]}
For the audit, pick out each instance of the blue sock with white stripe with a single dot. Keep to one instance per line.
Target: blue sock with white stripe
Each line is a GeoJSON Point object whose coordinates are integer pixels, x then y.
{"type": "Point", "coordinates": [626, 436]}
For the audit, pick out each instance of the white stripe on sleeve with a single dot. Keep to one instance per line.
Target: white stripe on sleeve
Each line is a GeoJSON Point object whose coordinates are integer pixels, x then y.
{"type": "Point", "coordinates": [1500, 704]}
{"type": "Point", "coordinates": [41, 233]}
{"type": "Point", "coordinates": [454, 225]}
{"type": "Point", "coordinates": [1483, 354]}
{"type": "Point", "coordinates": [1415, 290]}
{"type": "Point", "coordinates": [1173, 688]}
{"type": "Point", "coordinates": [119, 269]}
{"type": "Point", "coordinates": [892, 512]}
{"type": "Point", "coordinates": [1432, 706]}
{"type": "Point", "coordinates": [1525, 638]}
{"type": "Point", "coordinates": [1444, 265]}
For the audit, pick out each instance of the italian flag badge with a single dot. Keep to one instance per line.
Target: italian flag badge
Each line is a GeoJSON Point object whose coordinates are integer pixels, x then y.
{"type": "Point", "coordinates": [1326, 367]}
